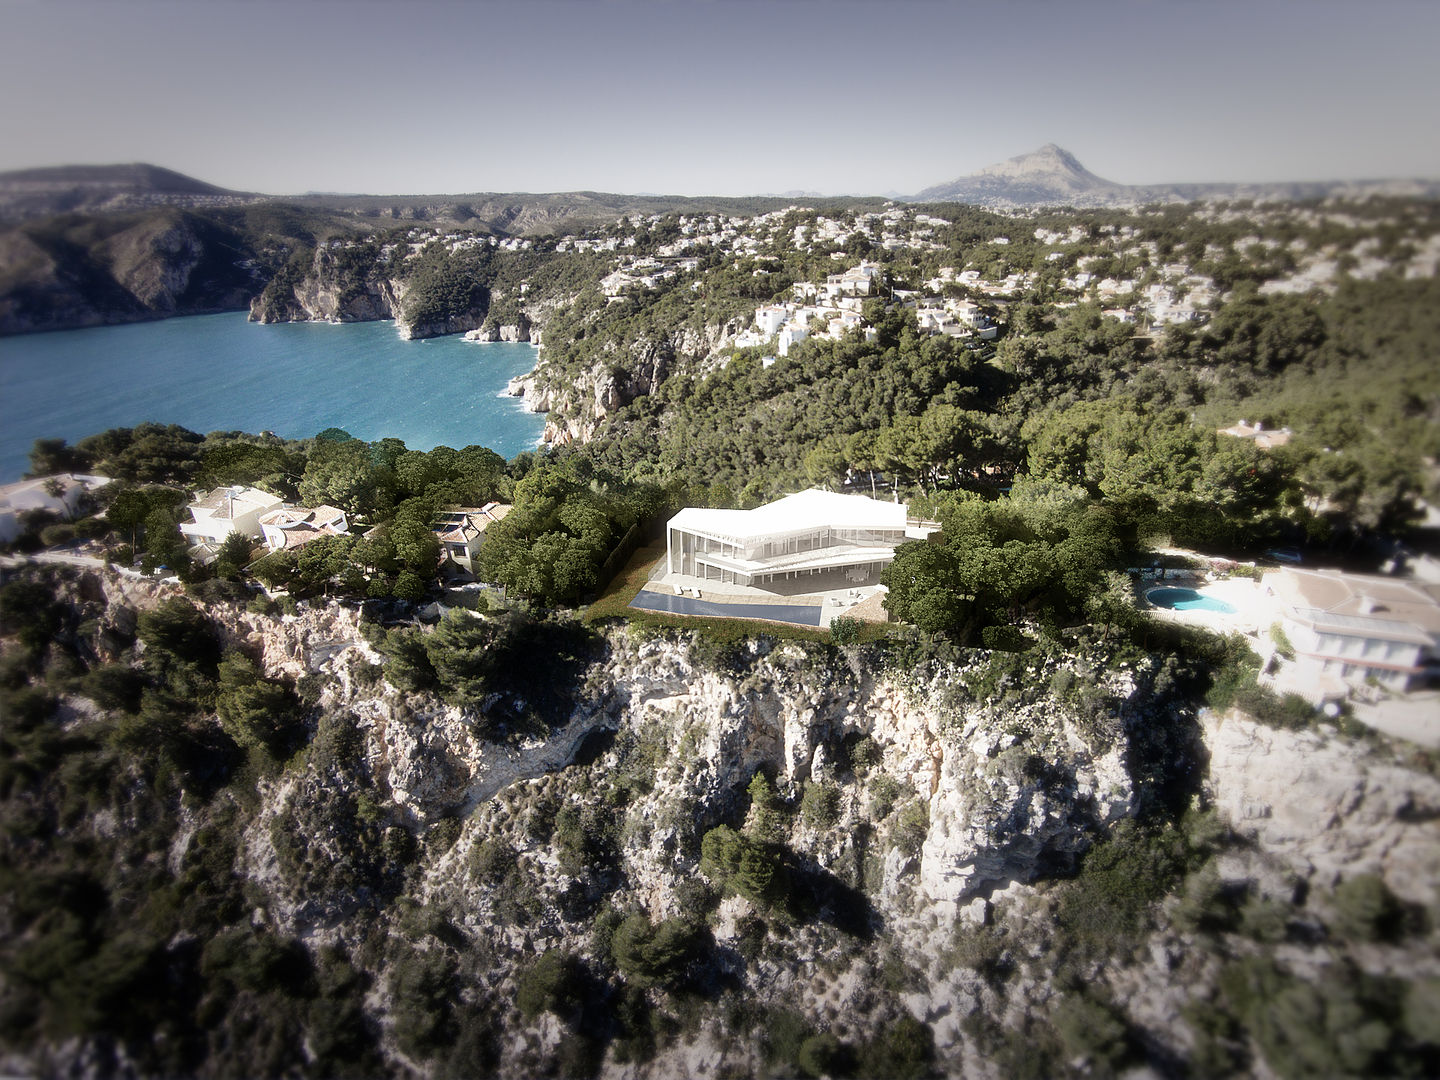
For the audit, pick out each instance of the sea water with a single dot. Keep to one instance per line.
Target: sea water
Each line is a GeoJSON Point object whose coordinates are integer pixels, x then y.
{"type": "Point", "coordinates": [223, 373]}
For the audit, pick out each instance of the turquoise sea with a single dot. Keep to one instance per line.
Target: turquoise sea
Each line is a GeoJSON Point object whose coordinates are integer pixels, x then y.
{"type": "Point", "coordinates": [222, 373]}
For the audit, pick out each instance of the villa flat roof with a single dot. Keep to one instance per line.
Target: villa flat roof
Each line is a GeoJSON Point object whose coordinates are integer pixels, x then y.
{"type": "Point", "coordinates": [1364, 604]}
{"type": "Point", "coordinates": [795, 513]}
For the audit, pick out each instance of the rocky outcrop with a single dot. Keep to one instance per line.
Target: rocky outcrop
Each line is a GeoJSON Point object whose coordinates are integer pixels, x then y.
{"type": "Point", "coordinates": [922, 885]}
{"type": "Point", "coordinates": [518, 331]}
{"type": "Point", "coordinates": [1325, 806]}
{"type": "Point", "coordinates": [336, 286]}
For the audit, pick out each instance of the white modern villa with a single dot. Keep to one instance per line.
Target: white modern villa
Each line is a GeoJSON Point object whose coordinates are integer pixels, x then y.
{"type": "Point", "coordinates": [803, 535]}
{"type": "Point", "coordinates": [1360, 626]}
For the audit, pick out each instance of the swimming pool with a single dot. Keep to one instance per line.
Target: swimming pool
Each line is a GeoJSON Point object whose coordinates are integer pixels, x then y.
{"type": "Point", "coordinates": [1188, 600]}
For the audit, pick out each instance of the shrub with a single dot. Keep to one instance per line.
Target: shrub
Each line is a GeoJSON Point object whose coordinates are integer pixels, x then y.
{"type": "Point", "coordinates": [1120, 878]}
{"type": "Point", "coordinates": [55, 535]}
{"type": "Point", "coordinates": [441, 836]}
{"type": "Point", "coordinates": [1282, 641]}
{"type": "Point", "coordinates": [785, 1033]}
{"type": "Point", "coordinates": [422, 990]}
{"type": "Point", "coordinates": [844, 630]}
{"type": "Point", "coordinates": [734, 861]}
{"type": "Point", "coordinates": [551, 984]}
{"type": "Point", "coordinates": [1005, 639]}
{"type": "Point", "coordinates": [114, 686]}
{"type": "Point", "coordinates": [1206, 904]}
{"type": "Point", "coordinates": [885, 791]}
{"type": "Point", "coordinates": [649, 955]}
{"type": "Point", "coordinates": [862, 753]}
{"type": "Point", "coordinates": [27, 708]}
{"type": "Point", "coordinates": [912, 827]}
{"type": "Point", "coordinates": [1366, 910]}
{"type": "Point", "coordinates": [1091, 1030]}
{"type": "Point", "coordinates": [764, 820]}
{"type": "Point", "coordinates": [820, 805]}
{"type": "Point", "coordinates": [903, 1051]}
{"type": "Point", "coordinates": [1341, 1026]}
{"type": "Point", "coordinates": [823, 1055]}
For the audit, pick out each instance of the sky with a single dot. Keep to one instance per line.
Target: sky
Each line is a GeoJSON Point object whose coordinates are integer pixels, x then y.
{"type": "Point", "coordinates": [721, 97]}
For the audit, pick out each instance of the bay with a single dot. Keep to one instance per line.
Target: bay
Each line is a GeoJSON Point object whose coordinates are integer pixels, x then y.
{"type": "Point", "coordinates": [223, 373]}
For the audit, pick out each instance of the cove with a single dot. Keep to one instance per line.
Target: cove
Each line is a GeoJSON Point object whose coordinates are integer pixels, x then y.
{"type": "Point", "coordinates": [223, 373]}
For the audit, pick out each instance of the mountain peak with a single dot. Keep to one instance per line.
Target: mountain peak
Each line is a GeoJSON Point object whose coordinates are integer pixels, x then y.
{"type": "Point", "coordinates": [1050, 174]}
{"type": "Point", "coordinates": [1049, 160]}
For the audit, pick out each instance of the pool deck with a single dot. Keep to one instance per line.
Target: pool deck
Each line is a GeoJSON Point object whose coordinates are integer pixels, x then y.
{"type": "Point", "coordinates": [1254, 611]}
{"type": "Point", "coordinates": [1414, 716]}
{"type": "Point", "coordinates": [837, 596]}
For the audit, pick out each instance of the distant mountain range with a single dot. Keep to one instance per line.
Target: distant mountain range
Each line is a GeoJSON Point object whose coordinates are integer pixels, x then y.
{"type": "Point", "coordinates": [1052, 176]}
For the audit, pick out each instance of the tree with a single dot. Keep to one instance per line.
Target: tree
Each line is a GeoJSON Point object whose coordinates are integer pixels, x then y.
{"type": "Point", "coordinates": [234, 555]}
{"type": "Point", "coordinates": [256, 712]}
{"type": "Point", "coordinates": [652, 955]}
{"type": "Point", "coordinates": [342, 474]}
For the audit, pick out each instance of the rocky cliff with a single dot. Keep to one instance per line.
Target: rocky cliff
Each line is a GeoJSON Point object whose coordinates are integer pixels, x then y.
{"type": "Point", "coordinates": [763, 857]}
{"type": "Point", "coordinates": [581, 399]}
{"type": "Point", "coordinates": [70, 272]}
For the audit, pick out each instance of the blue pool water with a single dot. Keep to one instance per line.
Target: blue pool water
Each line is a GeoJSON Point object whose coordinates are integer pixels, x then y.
{"type": "Point", "coordinates": [689, 605]}
{"type": "Point", "coordinates": [1187, 600]}
{"type": "Point", "coordinates": [222, 373]}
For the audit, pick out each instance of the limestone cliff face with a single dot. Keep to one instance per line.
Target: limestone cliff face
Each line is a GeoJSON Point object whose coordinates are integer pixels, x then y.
{"type": "Point", "coordinates": [994, 815]}
{"type": "Point", "coordinates": [580, 401]}
{"type": "Point", "coordinates": [330, 290]}
{"type": "Point", "coordinates": [1326, 807]}
{"type": "Point", "coordinates": [338, 285]}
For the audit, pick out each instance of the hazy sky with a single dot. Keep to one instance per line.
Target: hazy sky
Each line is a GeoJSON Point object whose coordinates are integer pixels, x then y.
{"type": "Point", "coordinates": [717, 96]}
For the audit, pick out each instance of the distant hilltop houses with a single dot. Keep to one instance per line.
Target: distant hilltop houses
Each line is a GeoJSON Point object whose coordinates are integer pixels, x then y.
{"type": "Point", "coordinates": [834, 307]}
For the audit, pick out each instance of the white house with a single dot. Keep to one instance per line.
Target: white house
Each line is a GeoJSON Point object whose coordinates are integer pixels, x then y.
{"type": "Point", "coordinates": [225, 510]}
{"type": "Point", "coordinates": [770, 318]}
{"type": "Point", "coordinates": [60, 495]}
{"type": "Point", "coordinates": [461, 531]}
{"type": "Point", "coordinates": [789, 336]}
{"type": "Point", "coordinates": [291, 527]}
{"type": "Point", "coordinates": [802, 535]}
{"type": "Point", "coordinates": [1360, 626]}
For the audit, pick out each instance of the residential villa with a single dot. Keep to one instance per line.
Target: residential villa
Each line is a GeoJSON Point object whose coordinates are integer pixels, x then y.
{"type": "Point", "coordinates": [803, 535]}
{"type": "Point", "coordinates": [461, 531]}
{"type": "Point", "coordinates": [61, 495]}
{"type": "Point", "coordinates": [225, 510]}
{"type": "Point", "coordinates": [291, 527]}
{"type": "Point", "coordinates": [1356, 627]}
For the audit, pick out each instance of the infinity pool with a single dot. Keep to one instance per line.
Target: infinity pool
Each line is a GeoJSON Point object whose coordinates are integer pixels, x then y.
{"type": "Point", "coordinates": [1188, 600]}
